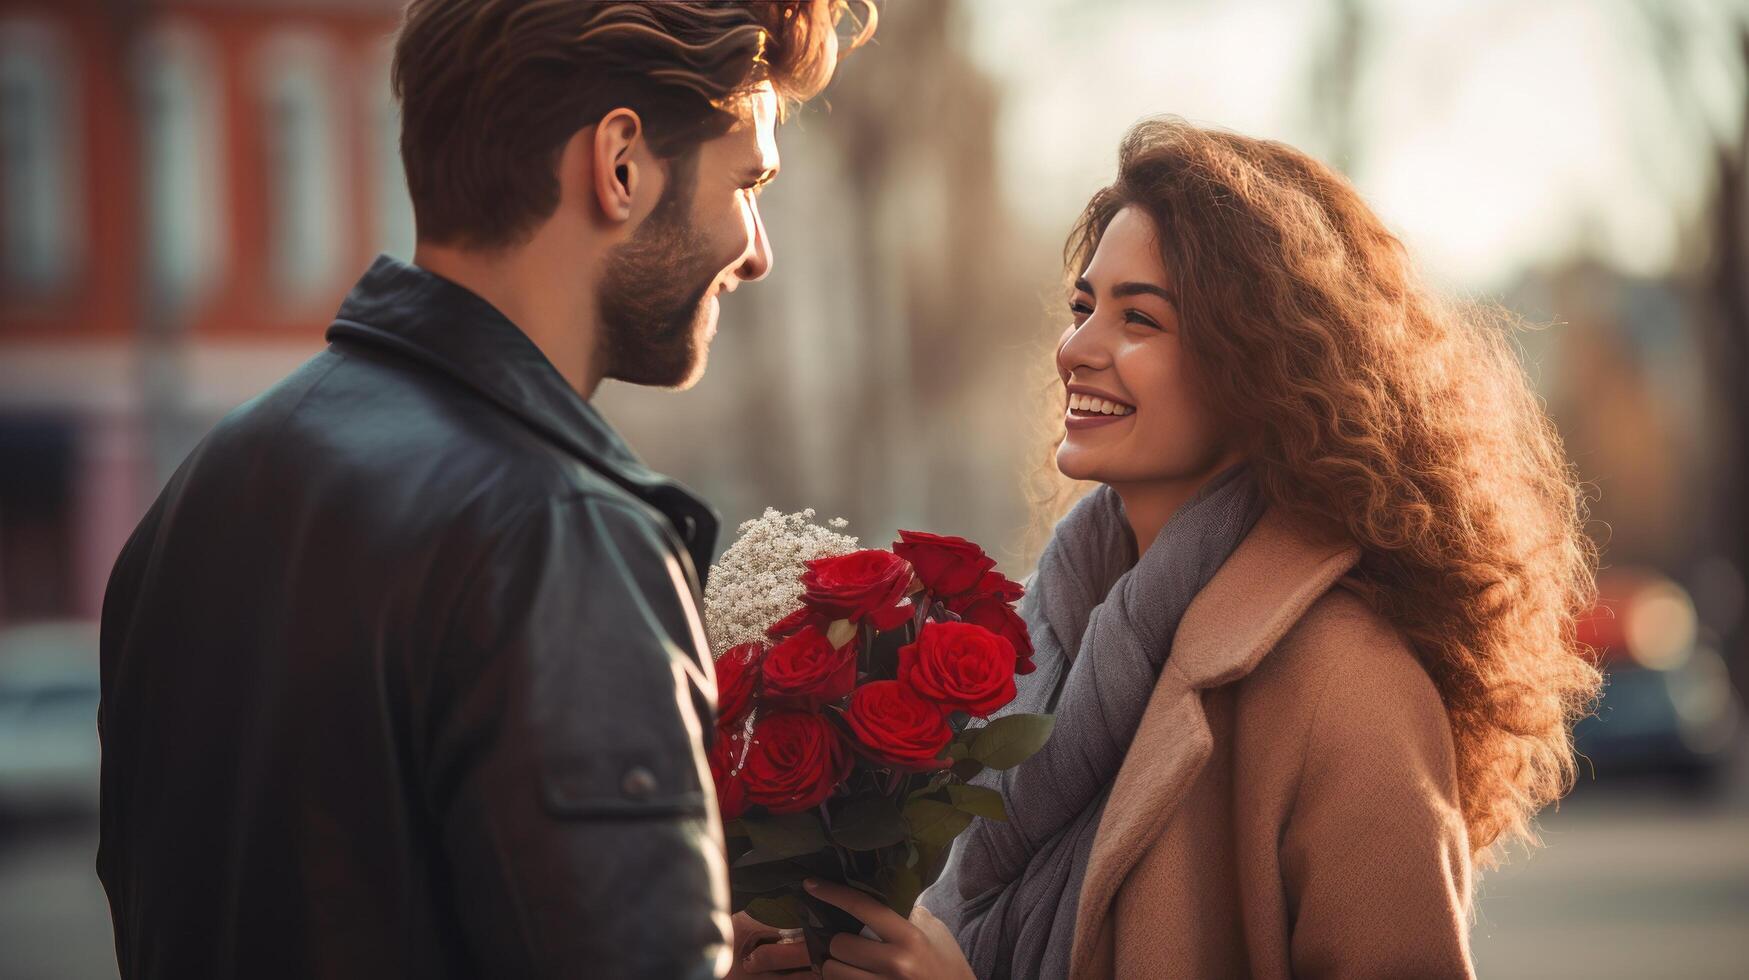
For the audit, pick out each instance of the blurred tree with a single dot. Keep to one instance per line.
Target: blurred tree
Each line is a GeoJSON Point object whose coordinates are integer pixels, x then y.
{"type": "Point", "coordinates": [1337, 66]}
{"type": "Point", "coordinates": [1719, 240]}
{"type": "Point", "coordinates": [1728, 339]}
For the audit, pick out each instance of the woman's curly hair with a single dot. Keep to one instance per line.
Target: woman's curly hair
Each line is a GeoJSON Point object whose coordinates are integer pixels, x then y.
{"type": "Point", "coordinates": [1364, 401]}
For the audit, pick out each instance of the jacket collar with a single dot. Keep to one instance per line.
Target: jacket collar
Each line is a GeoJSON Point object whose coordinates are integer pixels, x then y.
{"type": "Point", "coordinates": [1271, 579]}
{"type": "Point", "coordinates": [1268, 583]}
{"type": "Point", "coordinates": [424, 317]}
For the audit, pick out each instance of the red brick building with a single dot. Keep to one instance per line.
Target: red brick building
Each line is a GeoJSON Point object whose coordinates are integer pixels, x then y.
{"type": "Point", "coordinates": [187, 189]}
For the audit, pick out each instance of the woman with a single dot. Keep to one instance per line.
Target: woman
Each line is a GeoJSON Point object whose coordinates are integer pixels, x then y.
{"type": "Point", "coordinates": [1310, 642]}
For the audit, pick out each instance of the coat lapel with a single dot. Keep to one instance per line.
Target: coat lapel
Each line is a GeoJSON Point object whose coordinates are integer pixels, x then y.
{"type": "Point", "coordinates": [1268, 583]}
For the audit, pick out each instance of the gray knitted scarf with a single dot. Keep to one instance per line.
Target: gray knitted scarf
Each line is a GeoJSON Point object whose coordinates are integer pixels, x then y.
{"type": "Point", "coordinates": [1102, 624]}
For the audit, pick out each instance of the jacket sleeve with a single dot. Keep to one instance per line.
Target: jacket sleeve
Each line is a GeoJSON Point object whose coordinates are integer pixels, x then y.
{"type": "Point", "coordinates": [566, 770]}
{"type": "Point", "coordinates": [1375, 857]}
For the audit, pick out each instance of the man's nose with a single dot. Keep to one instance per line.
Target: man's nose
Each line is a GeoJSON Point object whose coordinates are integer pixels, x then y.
{"type": "Point", "coordinates": [757, 264]}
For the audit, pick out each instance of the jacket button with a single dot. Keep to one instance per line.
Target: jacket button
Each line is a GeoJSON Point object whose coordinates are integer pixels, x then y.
{"type": "Point", "coordinates": [639, 783]}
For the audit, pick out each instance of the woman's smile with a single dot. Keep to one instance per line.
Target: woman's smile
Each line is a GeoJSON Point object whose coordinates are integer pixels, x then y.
{"type": "Point", "coordinates": [1089, 408]}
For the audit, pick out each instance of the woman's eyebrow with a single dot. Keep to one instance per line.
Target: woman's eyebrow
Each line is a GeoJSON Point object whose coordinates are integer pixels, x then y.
{"type": "Point", "coordinates": [1131, 289]}
{"type": "Point", "coordinates": [1143, 288]}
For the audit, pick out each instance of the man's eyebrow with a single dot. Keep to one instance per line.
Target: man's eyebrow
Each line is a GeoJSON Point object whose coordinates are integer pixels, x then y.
{"type": "Point", "coordinates": [1131, 289]}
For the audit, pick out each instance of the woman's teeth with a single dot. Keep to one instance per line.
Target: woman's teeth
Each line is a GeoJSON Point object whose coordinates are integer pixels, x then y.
{"type": "Point", "coordinates": [1087, 403]}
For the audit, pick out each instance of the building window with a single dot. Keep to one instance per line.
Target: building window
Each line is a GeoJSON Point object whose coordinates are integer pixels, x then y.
{"type": "Point", "coordinates": [394, 209]}
{"type": "Point", "coordinates": [182, 163]}
{"type": "Point", "coordinates": [305, 175]}
{"type": "Point", "coordinates": [40, 217]}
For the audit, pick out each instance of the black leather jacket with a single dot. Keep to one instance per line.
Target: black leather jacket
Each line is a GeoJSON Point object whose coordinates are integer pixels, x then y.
{"type": "Point", "coordinates": [404, 676]}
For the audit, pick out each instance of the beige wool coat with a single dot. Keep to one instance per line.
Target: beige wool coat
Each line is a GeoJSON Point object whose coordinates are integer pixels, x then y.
{"type": "Point", "coordinates": [1289, 807]}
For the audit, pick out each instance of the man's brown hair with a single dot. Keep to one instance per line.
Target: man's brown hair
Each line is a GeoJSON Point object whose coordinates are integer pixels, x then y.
{"type": "Point", "coordinates": [491, 90]}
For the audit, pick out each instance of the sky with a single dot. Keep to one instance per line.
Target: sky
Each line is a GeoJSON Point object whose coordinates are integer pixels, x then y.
{"type": "Point", "coordinates": [1493, 135]}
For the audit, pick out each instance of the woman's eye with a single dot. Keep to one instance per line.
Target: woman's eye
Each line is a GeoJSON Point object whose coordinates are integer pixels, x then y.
{"type": "Point", "coordinates": [1132, 316]}
{"type": "Point", "coordinates": [1080, 309]}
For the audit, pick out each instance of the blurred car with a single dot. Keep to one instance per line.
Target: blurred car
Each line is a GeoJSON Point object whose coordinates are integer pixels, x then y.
{"type": "Point", "coordinates": [1668, 704]}
{"type": "Point", "coordinates": [48, 720]}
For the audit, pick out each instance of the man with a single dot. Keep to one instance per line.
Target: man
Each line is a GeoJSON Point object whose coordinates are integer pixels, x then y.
{"type": "Point", "coordinates": [403, 673]}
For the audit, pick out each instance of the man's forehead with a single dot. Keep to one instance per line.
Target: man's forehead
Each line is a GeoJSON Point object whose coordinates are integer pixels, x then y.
{"type": "Point", "coordinates": [758, 123]}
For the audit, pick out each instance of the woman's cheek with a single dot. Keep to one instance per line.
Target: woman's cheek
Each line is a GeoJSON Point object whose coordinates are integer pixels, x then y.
{"type": "Point", "coordinates": [1176, 439]}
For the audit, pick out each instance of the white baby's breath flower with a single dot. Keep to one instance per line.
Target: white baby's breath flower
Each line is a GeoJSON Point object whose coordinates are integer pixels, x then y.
{"type": "Point", "coordinates": [756, 582]}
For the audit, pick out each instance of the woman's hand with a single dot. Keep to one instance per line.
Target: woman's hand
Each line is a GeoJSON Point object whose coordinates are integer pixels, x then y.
{"type": "Point", "coordinates": [921, 949]}
{"type": "Point", "coordinates": [756, 953]}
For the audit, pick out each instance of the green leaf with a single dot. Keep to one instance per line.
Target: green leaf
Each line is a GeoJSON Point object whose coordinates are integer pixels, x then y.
{"type": "Point", "coordinates": [935, 823]}
{"type": "Point", "coordinates": [1010, 740]}
{"type": "Point", "coordinates": [778, 912]}
{"type": "Point", "coordinates": [966, 769]}
{"type": "Point", "coordinates": [768, 876]}
{"type": "Point", "coordinates": [931, 861]}
{"type": "Point", "coordinates": [935, 783]}
{"type": "Point", "coordinates": [868, 824]}
{"type": "Point", "coordinates": [902, 886]}
{"type": "Point", "coordinates": [753, 857]}
{"type": "Point", "coordinates": [981, 800]}
{"type": "Point", "coordinates": [784, 836]}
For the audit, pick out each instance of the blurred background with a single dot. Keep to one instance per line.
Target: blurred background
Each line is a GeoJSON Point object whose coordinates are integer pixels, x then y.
{"type": "Point", "coordinates": [187, 189]}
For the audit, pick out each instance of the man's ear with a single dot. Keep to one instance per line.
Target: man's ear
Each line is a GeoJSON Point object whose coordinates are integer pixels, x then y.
{"type": "Point", "coordinates": [618, 174]}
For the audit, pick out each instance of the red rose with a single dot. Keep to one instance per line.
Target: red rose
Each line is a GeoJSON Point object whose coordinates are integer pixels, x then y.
{"type": "Point", "coordinates": [882, 620]}
{"type": "Point", "coordinates": [898, 726]}
{"type": "Point", "coordinates": [962, 666]}
{"type": "Point", "coordinates": [725, 755]}
{"type": "Point", "coordinates": [737, 671]}
{"type": "Point", "coordinates": [885, 619]}
{"type": "Point", "coordinates": [947, 565]}
{"type": "Point", "coordinates": [806, 671]}
{"type": "Point", "coordinates": [996, 585]}
{"type": "Point", "coordinates": [1000, 618]}
{"type": "Point", "coordinates": [858, 586]}
{"type": "Point", "coordinates": [795, 621]}
{"type": "Point", "coordinates": [795, 761]}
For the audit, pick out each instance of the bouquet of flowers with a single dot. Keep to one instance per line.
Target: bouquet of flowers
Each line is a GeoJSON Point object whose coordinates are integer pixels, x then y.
{"type": "Point", "coordinates": [850, 687]}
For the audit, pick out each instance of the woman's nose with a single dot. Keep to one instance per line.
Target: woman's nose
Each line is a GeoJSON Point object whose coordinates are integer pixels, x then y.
{"type": "Point", "coordinates": [1062, 341]}
{"type": "Point", "coordinates": [1083, 348]}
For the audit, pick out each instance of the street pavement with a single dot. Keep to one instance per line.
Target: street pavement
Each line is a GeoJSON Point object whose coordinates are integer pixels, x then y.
{"type": "Point", "coordinates": [1634, 881]}
{"type": "Point", "coordinates": [1638, 880]}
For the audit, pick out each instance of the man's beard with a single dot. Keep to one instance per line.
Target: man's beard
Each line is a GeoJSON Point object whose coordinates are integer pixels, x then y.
{"type": "Point", "coordinates": [654, 294]}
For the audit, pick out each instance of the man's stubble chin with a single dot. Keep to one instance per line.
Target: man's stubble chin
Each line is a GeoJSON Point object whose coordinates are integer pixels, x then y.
{"type": "Point", "coordinates": [657, 307]}
{"type": "Point", "coordinates": [671, 356]}
{"type": "Point", "coordinates": [687, 368]}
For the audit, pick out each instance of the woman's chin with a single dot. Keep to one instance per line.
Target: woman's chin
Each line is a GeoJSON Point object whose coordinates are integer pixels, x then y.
{"type": "Point", "coordinates": [1076, 466]}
